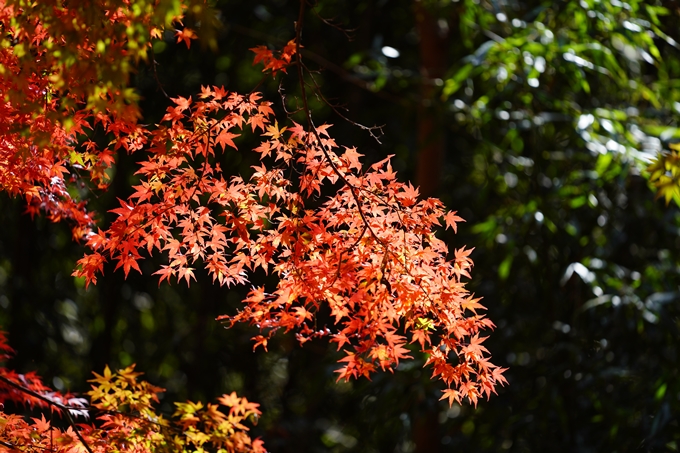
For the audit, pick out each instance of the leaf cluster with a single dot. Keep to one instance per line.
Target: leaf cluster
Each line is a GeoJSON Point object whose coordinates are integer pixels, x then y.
{"type": "Point", "coordinates": [127, 420]}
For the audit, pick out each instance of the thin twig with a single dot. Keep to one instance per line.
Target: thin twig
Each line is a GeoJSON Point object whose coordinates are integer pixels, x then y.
{"type": "Point", "coordinates": [310, 123]}
{"type": "Point", "coordinates": [155, 73]}
{"type": "Point", "coordinates": [8, 445]}
{"type": "Point", "coordinates": [347, 32]}
{"type": "Point", "coordinates": [63, 408]}
{"type": "Point", "coordinates": [370, 129]}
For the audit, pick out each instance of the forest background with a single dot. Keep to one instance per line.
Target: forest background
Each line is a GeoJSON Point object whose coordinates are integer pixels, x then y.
{"type": "Point", "coordinates": [536, 121]}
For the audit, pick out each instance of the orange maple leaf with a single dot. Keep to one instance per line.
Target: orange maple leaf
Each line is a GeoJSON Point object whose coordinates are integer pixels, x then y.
{"type": "Point", "coordinates": [451, 220]}
{"type": "Point", "coordinates": [450, 394]}
{"type": "Point", "coordinates": [186, 35]}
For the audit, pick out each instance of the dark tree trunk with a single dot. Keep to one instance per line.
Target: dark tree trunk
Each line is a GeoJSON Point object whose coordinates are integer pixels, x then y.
{"type": "Point", "coordinates": [434, 45]}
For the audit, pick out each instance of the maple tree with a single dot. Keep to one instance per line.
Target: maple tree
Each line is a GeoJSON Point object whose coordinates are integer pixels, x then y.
{"type": "Point", "coordinates": [575, 259]}
{"type": "Point", "coordinates": [127, 418]}
{"type": "Point", "coordinates": [338, 236]}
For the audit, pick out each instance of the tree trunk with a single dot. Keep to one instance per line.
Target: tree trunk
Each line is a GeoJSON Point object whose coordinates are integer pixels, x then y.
{"type": "Point", "coordinates": [434, 45]}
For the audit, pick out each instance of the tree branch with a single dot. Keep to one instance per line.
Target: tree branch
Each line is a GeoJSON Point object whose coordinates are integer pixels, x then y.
{"type": "Point", "coordinates": [63, 408]}
{"type": "Point", "coordinates": [310, 123]}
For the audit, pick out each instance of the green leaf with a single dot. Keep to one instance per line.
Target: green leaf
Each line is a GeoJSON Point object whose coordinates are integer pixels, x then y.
{"type": "Point", "coordinates": [454, 83]}
{"type": "Point", "coordinates": [661, 391]}
{"type": "Point", "coordinates": [578, 201]}
{"type": "Point", "coordinates": [504, 267]}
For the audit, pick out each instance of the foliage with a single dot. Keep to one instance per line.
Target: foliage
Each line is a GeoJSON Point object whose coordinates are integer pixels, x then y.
{"type": "Point", "coordinates": [566, 105]}
{"type": "Point", "coordinates": [127, 421]}
{"type": "Point", "coordinates": [557, 114]}
{"type": "Point", "coordinates": [576, 260]}
{"type": "Point", "coordinates": [56, 80]}
{"type": "Point", "coordinates": [665, 175]}
{"type": "Point", "coordinates": [368, 254]}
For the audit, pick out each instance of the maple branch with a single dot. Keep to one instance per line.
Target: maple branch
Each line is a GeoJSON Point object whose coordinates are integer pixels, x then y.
{"type": "Point", "coordinates": [282, 95]}
{"type": "Point", "coordinates": [403, 265]}
{"type": "Point", "coordinates": [342, 253]}
{"type": "Point", "coordinates": [370, 129]}
{"type": "Point", "coordinates": [336, 170]}
{"type": "Point", "coordinates": [330, 23]}
{"type": "Point", "coordinates": [15, 447]}
{"type": "Point", "coordinates": [398, 211]}
{"type": "Point", "coordinates": [63, 408]}
{"type": "Point", "coordinates": [8, 445]}
{"type": "Point", "coordinates": [310, 123]}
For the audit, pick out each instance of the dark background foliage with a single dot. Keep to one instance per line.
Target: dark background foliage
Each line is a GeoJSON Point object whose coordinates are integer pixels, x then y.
{"type": "Point", "coordinates": [532, 119]}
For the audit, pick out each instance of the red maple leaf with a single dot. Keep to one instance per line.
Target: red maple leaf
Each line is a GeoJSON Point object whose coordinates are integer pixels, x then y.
{"type": "Point", "coordinates": [225, 139]}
